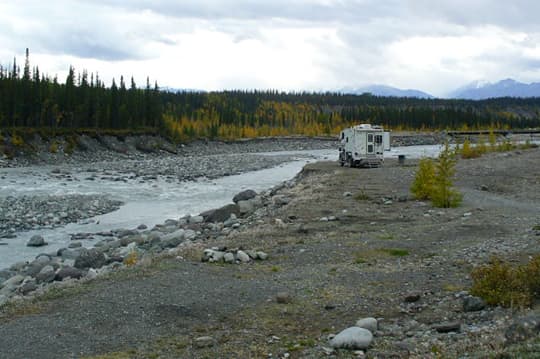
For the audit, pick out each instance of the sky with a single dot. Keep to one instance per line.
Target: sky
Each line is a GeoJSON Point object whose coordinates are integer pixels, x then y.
{"type": "Point", "coordinates": [316, 45]}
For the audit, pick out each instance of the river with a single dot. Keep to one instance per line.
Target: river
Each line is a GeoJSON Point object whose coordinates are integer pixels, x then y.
{"type": "Point", "coordinates": [148, 203]}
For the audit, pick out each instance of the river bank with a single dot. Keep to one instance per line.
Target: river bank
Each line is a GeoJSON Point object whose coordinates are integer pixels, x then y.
{"type": "Point", "coordinates": [342, 244]}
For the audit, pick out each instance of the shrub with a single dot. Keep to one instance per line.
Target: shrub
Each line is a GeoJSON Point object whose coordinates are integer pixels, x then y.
{"type": "Point", "coordinates": [53, 148]}
{"type": "Point", "coordinates": [17, 140]}
{"type": "Point", "coordinates": [131, 258]}
{"type": "Point", "coordinates": [499, 283]}
{"type": "Point", "coordinates": [468, 151]}
{"type": "Point", "coordinates": [422, 186]}
{"type": "Point", "coordinates": [442, 194]}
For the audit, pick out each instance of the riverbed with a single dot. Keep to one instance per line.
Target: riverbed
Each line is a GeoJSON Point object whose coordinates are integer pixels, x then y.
{"type": "Point", "coordinates": [149, 201]}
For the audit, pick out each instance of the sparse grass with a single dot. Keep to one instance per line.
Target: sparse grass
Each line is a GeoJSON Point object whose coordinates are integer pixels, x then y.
{"type": "Point", "coordinates": [368, 256]}
{"type": "Point", "coordinates": [395, 252]}
{"type": "Point", "coordinates": [386, 236]}
{"type": "Point", "coordinates": [500, 283]}
{"type": "Point", "coordinates": [362, 195]}
{"type": "Point", "coordinates": [450, 287]}
{"type": "Point", "coordinates": [275, 269]}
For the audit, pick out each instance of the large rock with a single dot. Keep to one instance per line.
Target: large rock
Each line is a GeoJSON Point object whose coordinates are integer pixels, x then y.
{"type": "Point", "coordinates": [249, 206]}
{"type": "Point", "coordinates": [352, 338]}
{"type": "Point", "coordinates": [36, 241]}
{"type": "Point", "coordinates": [243, 257]}
{"type": "Point", "coordinates": [370, 324]}
{"type": "Point", "coordinates": [244, 195]}
{"type": "Point", "coordinates": [90, 258]}
{"type": "Point", "coordinates": [68, 272]}
{"type": "Point", "coordinates": [221, 214]}
{"type": "Point", "coordinates": [473, 304]}
{"type": "Point", "coordinates": [46, 274]}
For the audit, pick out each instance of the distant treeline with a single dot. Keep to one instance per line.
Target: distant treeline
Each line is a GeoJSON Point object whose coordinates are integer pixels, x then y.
{"type": "Point", "coordinates": [29, 99]}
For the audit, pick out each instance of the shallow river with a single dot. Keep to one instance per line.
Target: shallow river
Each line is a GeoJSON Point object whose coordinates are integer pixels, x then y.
{"type": "Point", "coordinates": [151, 202]}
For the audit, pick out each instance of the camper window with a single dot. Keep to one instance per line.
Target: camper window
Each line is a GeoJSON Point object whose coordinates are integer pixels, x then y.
{"type": "Point", "coordinates": [378, 139]}
{"type": "Point", "coordinates": [370, 138]}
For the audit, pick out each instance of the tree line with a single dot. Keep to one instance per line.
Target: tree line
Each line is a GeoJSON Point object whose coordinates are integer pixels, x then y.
{"type": "Point", "coordinates": [30, 99]}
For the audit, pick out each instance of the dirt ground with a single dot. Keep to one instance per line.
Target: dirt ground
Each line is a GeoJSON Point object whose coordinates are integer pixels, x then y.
{"type": "Point", "coordinates": [382, 248]}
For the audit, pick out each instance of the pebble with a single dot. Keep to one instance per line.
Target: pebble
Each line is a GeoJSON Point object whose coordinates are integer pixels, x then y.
{"type": "Point", "coordinates": [283, 298]}
{"type": "Point", "coordinates": [204, 342]}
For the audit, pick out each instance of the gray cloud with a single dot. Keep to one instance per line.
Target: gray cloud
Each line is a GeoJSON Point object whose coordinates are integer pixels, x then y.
{"type": "Point", "coordinates": [355, 41]}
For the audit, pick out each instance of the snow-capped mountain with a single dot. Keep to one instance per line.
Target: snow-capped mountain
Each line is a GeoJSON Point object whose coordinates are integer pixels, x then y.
{"type": "Point", "coordinates": [479, 90]}
{"type": "Point", "coordinates": [382, 90]}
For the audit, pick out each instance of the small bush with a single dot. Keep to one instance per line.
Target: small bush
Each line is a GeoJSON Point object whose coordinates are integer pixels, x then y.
{"type": "Point", "coordinates": [131, 258]}
{"type": "Point", "coordinates": [422, 186]}
{"type": "Point", "coordinates": [468, 151]}
{"type": "Point", "coordinates": [396, 252]}
{"type": "Point", "coordinates": [361, 196]}
{"type": "Point", "coordinates": [499, 283]}
{"type": "Point", "coordinates": [17, 140]}
{"type": "Point", "coordinates": [442, 194]}
{"type": "Point", "coordinates": [53, 148]}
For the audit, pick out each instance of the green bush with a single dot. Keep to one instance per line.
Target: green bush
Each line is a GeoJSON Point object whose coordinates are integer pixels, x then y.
{"type": "Point", "coordinates": [443, 195]}
{"type": "Point", "coordinates": [433, 181]}
{"type": "Point", "coordinates": [422, 186]}
{"type": "Point", "coordinates": [499, 283]}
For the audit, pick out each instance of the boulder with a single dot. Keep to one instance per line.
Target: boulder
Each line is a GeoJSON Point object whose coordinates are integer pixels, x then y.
{"type": "Point", "coordinates": [195, 219]}
{"type": "Point", "coordinates": [229, 258]}
{"type": "Point", "coordinates": [473, 304]}
{"type": "Point", "coordinates": [244, 195]}
{"type": "Point", "coordinates": [90, 258]}
{"type": "Point", "coordinates": [46, 274]}
{"type": "Point", "coordinates": [243, 257]}
{"type": "Point", "coordinates": [283, 298]}
{"type": "Point", "coordinates": [36, 241]}
{"type": "Point", "coordinates": [280, 200]}
{"type": "Point", "coordinates": [352, 338]}
{"type": "Point", "coordinates": [262, 256]}
{"type": "Point", "coordinates": [68, 272]}
{"type": "Point", "coordinates": [27, 287]}
{"type": "Point", "coordinates": [221, 214]}
{"type": "Point", "coordinates": [370, 324]}
{"type": "Point", "coordinates": [212, 256]}
{"type": "Point", "coordinates": [447, 327]}
{"type": "Point", "coordinates": [204, 342]}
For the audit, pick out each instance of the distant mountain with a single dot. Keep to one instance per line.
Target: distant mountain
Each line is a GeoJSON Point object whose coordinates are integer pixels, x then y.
{"type": "Point", "coordinates": [480, 90]}
{"type": "Point", "coordinates": [386, 91]}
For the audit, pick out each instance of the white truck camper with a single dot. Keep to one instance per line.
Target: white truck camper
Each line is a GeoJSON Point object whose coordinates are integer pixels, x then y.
{"type": "Point", "coordinates": [363, 146]}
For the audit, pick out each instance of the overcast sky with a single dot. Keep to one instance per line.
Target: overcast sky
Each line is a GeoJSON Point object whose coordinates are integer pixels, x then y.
{"type": "Point", "coordinates": [431, 45]}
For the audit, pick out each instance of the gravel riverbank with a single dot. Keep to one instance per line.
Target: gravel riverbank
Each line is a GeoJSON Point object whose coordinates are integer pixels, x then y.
{"type": "Point", "coordinates": [339, 244]}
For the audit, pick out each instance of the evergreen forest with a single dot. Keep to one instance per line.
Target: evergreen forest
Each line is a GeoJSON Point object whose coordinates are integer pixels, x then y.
{"type": "Point", "coordinates": [31, 100]}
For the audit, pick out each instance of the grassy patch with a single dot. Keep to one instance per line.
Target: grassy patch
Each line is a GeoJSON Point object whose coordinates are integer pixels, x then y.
{"type": "Point", "coordinates": [370, 255]}
{"type": "Point", "coordinates": [395, 252]}
{"type": "Point", "coordinates": [362, 196]}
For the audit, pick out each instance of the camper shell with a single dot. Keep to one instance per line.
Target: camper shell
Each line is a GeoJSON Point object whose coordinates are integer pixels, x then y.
{"type": "Point", "coordinates": [363, 146]}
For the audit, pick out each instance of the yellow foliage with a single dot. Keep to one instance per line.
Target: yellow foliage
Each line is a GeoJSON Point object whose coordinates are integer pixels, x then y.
{"type": "Point", "coordinates": [53, 148]}
{"type": "Point", "coordinates": [131, 258]}
{"type": "Point", "coordinates": [467, 151]}
{"type": "Point", "coordinates": [17, 140]}
{"type": "Point", "coordinates": [422, 186]}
